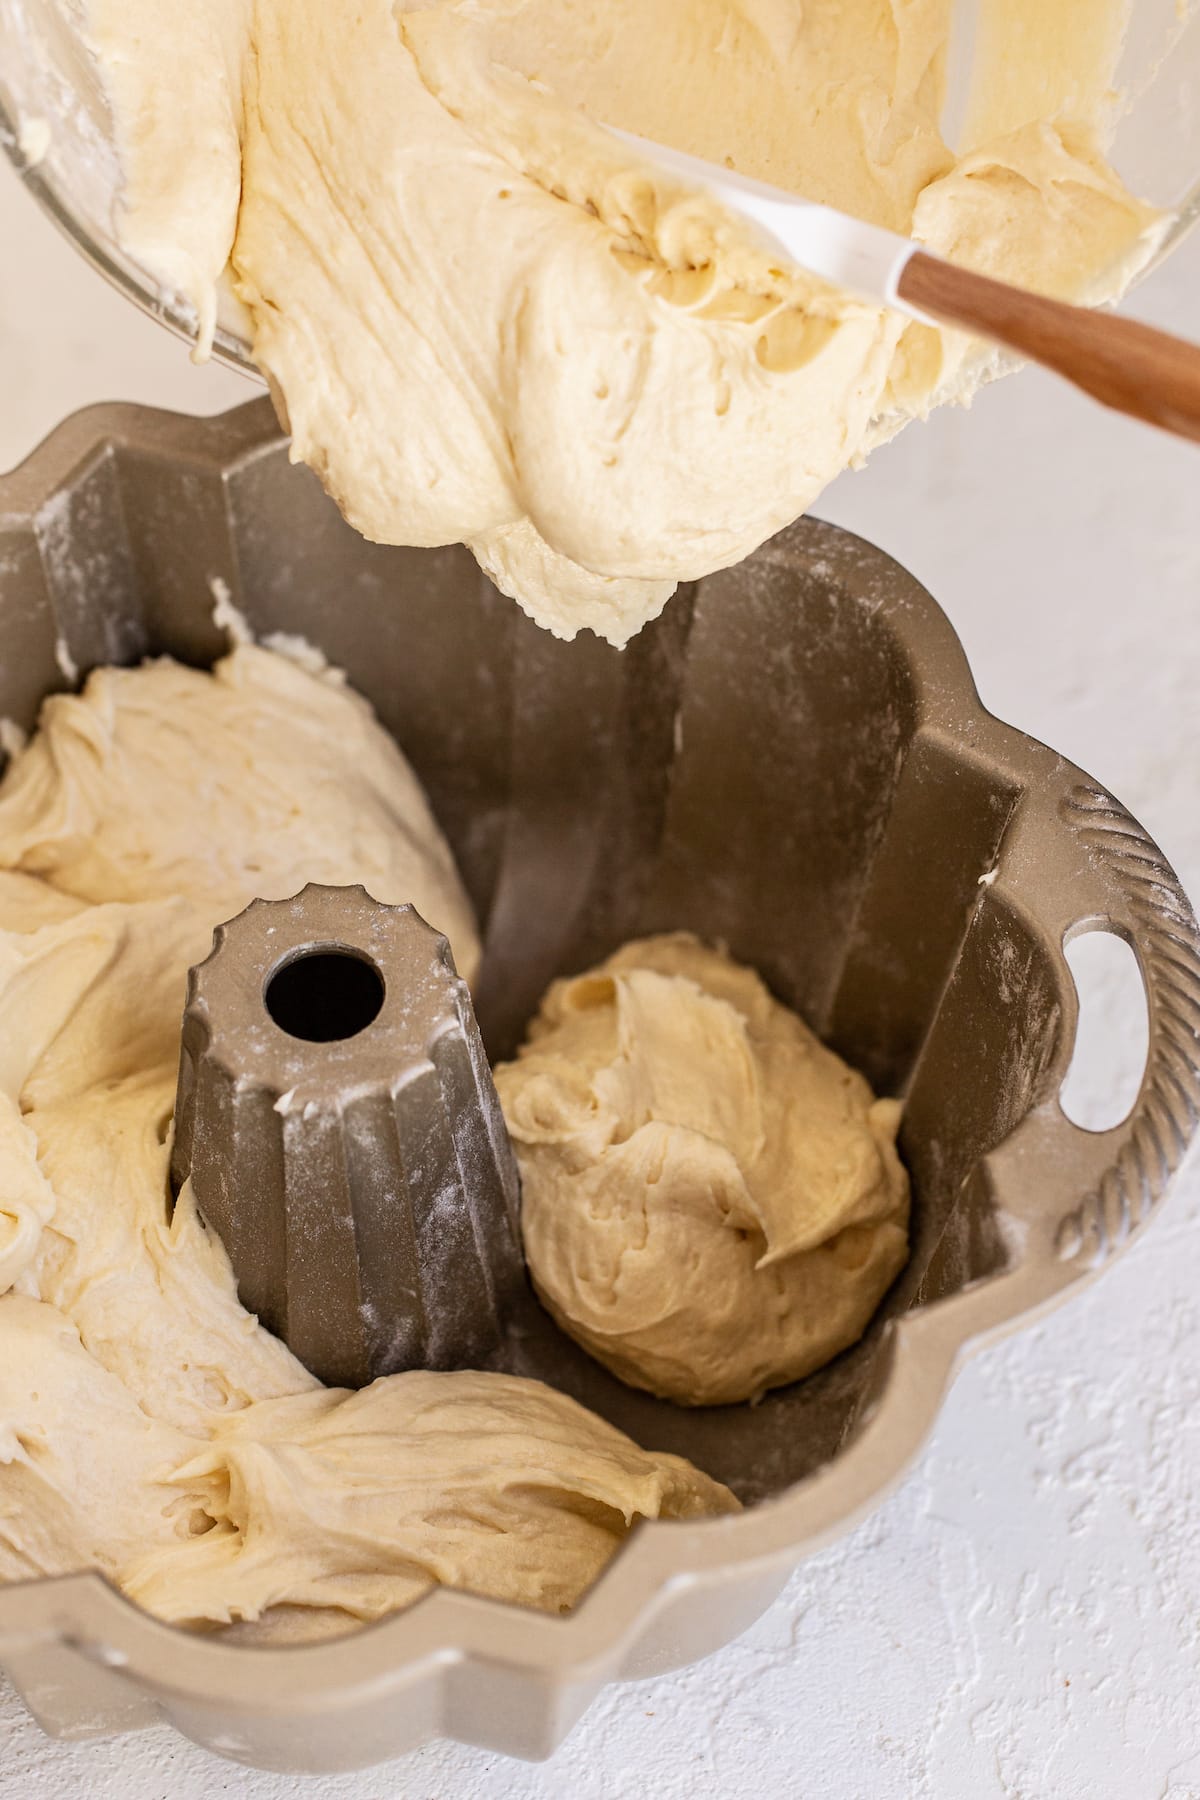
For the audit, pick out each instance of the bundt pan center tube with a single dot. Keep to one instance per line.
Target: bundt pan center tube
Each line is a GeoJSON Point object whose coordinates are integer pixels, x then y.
{"type": "Point", "coordinates": [793, 761]}
{"type": "Point", "coordinates": [338, 1122]}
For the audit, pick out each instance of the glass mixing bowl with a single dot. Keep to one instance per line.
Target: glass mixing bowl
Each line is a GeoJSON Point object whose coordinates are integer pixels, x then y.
{"type": "Point", "coordinates": [56, 128]}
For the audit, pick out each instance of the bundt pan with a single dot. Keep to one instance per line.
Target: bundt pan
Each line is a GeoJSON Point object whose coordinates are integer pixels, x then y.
{"type": "Point", "coordinates": [792, 759]}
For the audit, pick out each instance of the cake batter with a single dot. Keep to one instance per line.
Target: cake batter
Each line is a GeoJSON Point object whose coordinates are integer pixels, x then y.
{"type": "Point", "coordinates": [711, 1201]}
{"type": "Point", "coordinates": [484, 320]}
{"type": "Point", "coordinates": [149, 1427]}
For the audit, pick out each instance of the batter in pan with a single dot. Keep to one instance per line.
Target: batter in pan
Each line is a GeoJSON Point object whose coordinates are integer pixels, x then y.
{"type": "Point", "coordinates": [149, 1426]}
{"type": "Point", "coordinates": [711, 1201]}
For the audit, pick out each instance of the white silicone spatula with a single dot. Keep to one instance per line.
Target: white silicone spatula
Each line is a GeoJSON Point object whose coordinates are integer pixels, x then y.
{"type": "Point", "coordinates": [1128, 366]}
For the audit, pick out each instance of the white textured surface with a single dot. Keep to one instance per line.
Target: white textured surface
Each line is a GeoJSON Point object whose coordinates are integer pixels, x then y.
{"type": "Point", "coordinates": [1023, 1618]}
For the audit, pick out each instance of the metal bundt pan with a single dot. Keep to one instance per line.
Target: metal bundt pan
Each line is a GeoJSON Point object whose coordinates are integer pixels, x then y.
{"type": "Point", "coordinates": [792, 759]}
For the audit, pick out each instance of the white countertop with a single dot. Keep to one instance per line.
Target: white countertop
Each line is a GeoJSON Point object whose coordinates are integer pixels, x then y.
{"type": "Point", "coordinates": [1021, 1621]}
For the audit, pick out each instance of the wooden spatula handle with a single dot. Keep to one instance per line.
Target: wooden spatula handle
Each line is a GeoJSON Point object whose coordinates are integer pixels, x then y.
{"type": "Point", "coordinates": [1129, 366]}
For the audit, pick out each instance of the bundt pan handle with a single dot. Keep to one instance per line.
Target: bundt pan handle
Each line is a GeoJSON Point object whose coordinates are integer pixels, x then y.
{"type": "Point", "coordinates": [1070, 1198]}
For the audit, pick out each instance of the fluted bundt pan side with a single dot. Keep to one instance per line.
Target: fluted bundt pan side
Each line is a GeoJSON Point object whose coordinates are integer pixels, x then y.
{"type": "Point", "coordinates": [792, 759]}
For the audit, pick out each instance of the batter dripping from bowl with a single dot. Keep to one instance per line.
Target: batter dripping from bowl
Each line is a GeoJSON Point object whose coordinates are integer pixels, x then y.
{"type": "Point", "coordinates": [485, 322]}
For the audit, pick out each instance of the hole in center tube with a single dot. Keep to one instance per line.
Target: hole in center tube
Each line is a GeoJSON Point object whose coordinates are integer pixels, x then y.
{"type": "Point", "coordinates": [1113, 1033]}
{"type": "Point", "coordinates": [324, 995]}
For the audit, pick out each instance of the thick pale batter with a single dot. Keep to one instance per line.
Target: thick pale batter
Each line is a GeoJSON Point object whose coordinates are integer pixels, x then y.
{"type": "Point", "coordinates": [711, 1201]}
{"type": "Point", "coordinates": [486, 322]}
{"type": "Point", "coordinates": [149, 1427]}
